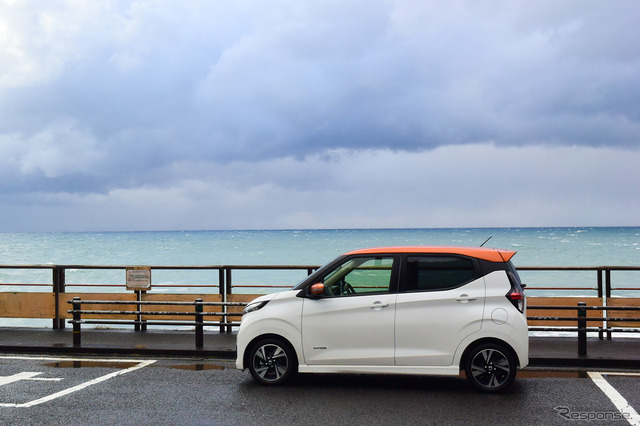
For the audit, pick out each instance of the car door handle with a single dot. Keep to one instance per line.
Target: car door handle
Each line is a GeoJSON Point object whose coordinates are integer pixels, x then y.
{"type": "Point", "coordinates": [378, 305]}
{"type": "Point", "coordinates": [464, 298]}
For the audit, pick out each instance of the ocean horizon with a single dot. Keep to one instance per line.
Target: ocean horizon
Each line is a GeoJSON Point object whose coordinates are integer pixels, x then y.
{"type": "Point", "coordinates": [536, 246]}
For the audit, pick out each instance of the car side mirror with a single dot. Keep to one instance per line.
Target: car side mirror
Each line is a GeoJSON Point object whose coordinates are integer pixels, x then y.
{"type": "Point", "coordinates": [316, 290]}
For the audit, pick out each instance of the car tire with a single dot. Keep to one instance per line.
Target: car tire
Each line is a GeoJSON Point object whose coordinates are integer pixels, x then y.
{"type": "Point", "coordinates": [272, 361]}
{"type": "Point", "coordinates": [490, 367]}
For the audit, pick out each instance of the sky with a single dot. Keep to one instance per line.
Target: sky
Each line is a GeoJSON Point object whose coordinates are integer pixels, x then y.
{"type": "Point", "coordinates": [289, 114]}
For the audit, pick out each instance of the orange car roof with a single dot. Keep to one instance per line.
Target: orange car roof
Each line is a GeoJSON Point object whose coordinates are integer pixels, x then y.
{"type": "Point", "coordinates": [490, 254]}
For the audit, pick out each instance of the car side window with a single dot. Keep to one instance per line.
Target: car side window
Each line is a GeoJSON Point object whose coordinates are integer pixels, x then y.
{"type": "Point", "coordinates": [360, 275]}
{"type": "Point", "coordinates": [426, 273]}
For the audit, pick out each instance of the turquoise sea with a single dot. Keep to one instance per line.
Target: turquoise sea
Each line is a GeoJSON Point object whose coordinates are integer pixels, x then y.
{"type": "Point", "coordinates": [535, 246]}
{"type": "Point", "coordinates": [583, 246]}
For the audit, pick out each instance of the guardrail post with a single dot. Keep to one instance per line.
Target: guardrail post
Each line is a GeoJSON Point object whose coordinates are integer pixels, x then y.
{"type": "Point", "coordinates": [600, 292]}
{"type": "Point", "coordinates": [604, 302]}
{"type": "Point", "coordinates": [58, 287]}
{"type": "Point", "coordinates": [199, 324]}
{"type": "Point", "coordinates": [607, 284]}
{"type": "Point", "coordinates": [77, 332]}
{"type": "Point", "coordinates": [225, 309]}
{"type": "Point", "coordinates": [222, 286]}
{"type": "Point", "coordinates": [140, 324]}
{"type": "Point", "coordinates": [582, 328]}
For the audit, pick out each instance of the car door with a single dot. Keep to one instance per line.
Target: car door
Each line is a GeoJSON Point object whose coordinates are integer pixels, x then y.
{"type": "Point", "coordinates": [352, 323]}
{"type": "Point", "coordinates": [440, 303]}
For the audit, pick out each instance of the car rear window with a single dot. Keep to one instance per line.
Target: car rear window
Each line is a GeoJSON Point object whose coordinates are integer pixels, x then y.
{"type": "Point", "coordinates": [425, 273]}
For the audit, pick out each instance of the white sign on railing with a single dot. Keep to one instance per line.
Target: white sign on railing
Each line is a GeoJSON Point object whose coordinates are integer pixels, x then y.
{"type": "Point", "coordinates": [138, 278]}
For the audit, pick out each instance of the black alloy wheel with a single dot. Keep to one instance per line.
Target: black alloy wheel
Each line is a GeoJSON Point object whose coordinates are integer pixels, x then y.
{"type": "Point", "coordinates": [490, 368]}
{"type": "Point", "coordinates": [272, 362]}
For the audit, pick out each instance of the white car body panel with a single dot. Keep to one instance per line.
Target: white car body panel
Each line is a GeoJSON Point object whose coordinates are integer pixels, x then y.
{"type": "Point", "coordinates": [349, 330]}
{"type": "Point", "coordinates": [430, 324]}
{"type": "Point", "coordinates": [282, 318]}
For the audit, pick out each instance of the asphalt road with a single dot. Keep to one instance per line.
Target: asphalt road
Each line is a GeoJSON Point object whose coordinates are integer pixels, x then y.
{"type": "Point", "coordinates": [144, 391]}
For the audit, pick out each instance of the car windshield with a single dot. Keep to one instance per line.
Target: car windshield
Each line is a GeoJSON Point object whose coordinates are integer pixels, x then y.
{"type": "Point", "coordinates": [316, 273]}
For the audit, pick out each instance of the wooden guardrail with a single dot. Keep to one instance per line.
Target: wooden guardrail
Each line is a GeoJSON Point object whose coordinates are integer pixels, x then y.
{"type": "Point", "coordinates": [600, 295]}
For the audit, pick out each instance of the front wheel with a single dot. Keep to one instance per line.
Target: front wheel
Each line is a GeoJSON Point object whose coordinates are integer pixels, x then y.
{"type": "Point", "coordinates": [272, 362]}
{"type": "Point", "coordinates": [490, 368]}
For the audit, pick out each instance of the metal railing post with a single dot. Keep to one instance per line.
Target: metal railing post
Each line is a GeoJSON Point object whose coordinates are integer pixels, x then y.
{"type": "Point", "coordinates": [77, 331]}
{"type": "Point", "coordinates": [582, 329]}
{"type": "Point", "coordinates": [199, 324]}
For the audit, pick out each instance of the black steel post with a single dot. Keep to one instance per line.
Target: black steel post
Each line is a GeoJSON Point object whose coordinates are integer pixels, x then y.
{"type": "Point", "coordinates": [58, 287]}
{"type": "Point", "coordinates": [222, 287]}
{"type": "Point", "coordinates": [604, 302]}
{"type": "Point", "coordinates": [77, 332]}
{"type": "Point", "coordinates": [600, 292]}
{"type": "Point", "coordinates": [607, 285]}
{"type": "Point", "coordinates": [136, 326]}
{"type": "Point", "coordinates": [143, 322]}
{"type": "Point", "coordinates": [229, 290]}
{"type": "Point", "coordinates": [582, 329]}
{"type": "Point", "coordinates": [199, 324]}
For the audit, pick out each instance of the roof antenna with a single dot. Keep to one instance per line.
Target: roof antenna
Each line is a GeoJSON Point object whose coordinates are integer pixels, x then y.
{"type": "Point", "coordinates": [485, 241]}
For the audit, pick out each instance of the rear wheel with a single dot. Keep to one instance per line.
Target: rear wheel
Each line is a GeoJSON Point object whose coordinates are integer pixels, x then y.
{"type": "Point", "coordinates": [490, 368]}
{"type": "Point", "coordinates": [272, 361]}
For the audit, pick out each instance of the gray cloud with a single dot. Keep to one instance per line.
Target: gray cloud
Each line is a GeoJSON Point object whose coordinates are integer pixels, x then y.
{"type": "Point", "coordinates": [453, 186]}
{"type": "Point", "coordinates": [105, 96]}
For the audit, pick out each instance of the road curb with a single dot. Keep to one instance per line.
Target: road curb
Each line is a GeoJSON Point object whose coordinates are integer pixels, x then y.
{"type": "Point", "coordinates": [231, 355]}
{"type": "Point", "coordinates": [119, 351]}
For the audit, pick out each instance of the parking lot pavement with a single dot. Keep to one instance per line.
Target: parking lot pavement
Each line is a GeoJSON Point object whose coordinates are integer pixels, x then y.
{"type": "Point", "coordinates": [168, 390]}
{"type": "Point", "coordinates": [22, 389]}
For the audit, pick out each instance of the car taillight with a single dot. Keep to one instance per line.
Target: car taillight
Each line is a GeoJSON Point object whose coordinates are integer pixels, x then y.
{"type": "Point", "coordinates": [517, 298]}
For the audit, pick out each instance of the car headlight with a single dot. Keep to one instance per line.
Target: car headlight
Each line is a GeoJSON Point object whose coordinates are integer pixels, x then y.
{"type": "Point", "coordinates": [254, 306]}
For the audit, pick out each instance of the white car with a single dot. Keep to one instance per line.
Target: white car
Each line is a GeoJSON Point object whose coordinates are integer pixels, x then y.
{"type": "Point", "coordinates": [403, 310]}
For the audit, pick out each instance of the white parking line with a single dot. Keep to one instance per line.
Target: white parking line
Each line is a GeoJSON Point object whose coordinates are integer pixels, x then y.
{"type": "Point", "coordinates": [25, 375]}
{"type": "Point", "coordinates": [618, 400]}
{"type": "Point", "coordinates": [29, 376]}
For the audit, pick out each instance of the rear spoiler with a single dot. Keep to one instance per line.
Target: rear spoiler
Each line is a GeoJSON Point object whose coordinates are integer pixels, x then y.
{"type": "Point", "coordinates": [506, 255]}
